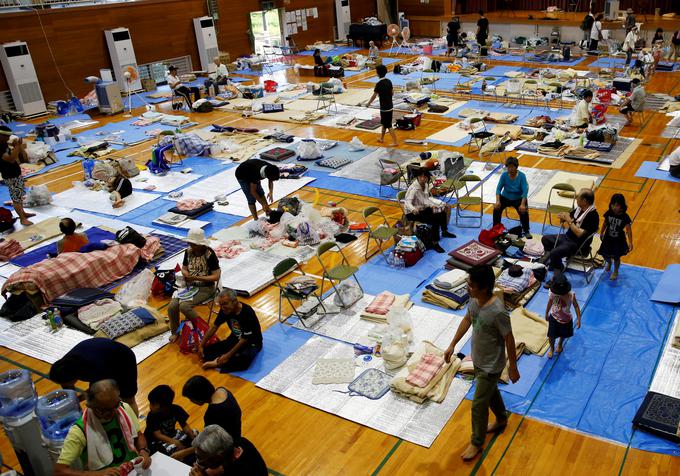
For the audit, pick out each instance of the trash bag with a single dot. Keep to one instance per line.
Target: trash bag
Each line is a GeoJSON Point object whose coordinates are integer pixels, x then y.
{"type": "Point", "coordinates": [349, 291]}
{"type": "Point", "coordinates": [37, 196]}
{"type": "Point", "coordinates": [355, 144]}
{"type": "Point", "coordinates": [136, 292]}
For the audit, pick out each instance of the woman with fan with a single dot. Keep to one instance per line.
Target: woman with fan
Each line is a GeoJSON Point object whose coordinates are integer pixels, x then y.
{"type": "Point", "coordinates": [180, 88]}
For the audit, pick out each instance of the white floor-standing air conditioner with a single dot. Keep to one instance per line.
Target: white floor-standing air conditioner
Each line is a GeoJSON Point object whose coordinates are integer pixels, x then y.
{"type": "Point", "coordinates": [206, 38]}
{"type": "Point", "coordinates": [123, 59]}
{"type": "Point", "coordinates": [22, 79]}
{"type": "Point", "coordinates": [343, 17]}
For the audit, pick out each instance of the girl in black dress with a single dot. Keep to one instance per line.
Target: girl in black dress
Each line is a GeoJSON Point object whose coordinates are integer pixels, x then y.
{"type": "Point", "coordinates": [616, 233]}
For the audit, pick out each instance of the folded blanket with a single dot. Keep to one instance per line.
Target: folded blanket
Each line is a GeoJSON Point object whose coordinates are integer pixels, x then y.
{"type": "Point", "coordinates": [402, 301]}
{"type": "Point", "coordinates": [451, 279]}
{"type": "Point", "coordinates": [9, 249]}
{"type": "Point", "coordinates": [426, 370]}
{"type": "Point", "coordinates": [467, 366]}
{"type": "Point", "coordinates": [99, 311]}
{"type": "Point", "coordinates": [514, 284]}
{"type": "Point", "coordinates": [381, 304]}
{"type": "Point", "coordinates": [432, 297]}
{"type": "Point", "coordinates": [530, 329]}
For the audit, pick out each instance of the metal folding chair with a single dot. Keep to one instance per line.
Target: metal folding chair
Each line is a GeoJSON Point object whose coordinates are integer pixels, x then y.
{"type": "Point", "coordinates": [464, 198]}
{"type": "Point", "coordinates": [337, 273]}
{"type": "Point", "coordinates": [380, 234]}
{"type": "Point", "coordinates": [326, 98]}
{"type": "Point", "coordinates": [392, 180]}
{"type": "Point", "coordinates": [584, 258]}
{"type": "Point", "coordinates": [552, 209]}
{"type": "Point", "coordinates": [283, 268]}
{"type": "Point", "coordinates": [478, 133]}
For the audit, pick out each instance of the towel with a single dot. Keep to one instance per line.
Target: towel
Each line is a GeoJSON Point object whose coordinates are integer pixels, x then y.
{"type": "Point", "coordinates": [530, 329]}
{"type": "Point", "coordinates": [99, 454]}
{"type": "Point", "coordinates": [426, 370]}
{"type": "Point", "coordinates": [402, 301]}
{"type": "Point", "coordinates": [451, 279]}
{"type": "Point", "coordinates": [381, 304]}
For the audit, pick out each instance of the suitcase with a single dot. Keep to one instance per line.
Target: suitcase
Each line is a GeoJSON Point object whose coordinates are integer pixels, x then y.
{"type": "Point", "coordinates": [277, 154]}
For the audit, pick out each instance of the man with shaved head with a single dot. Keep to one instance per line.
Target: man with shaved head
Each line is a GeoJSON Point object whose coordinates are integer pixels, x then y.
{"type": "Point", "coordinates": [219, 76]}
{"type": "Point", "coordinates": [106, 436]}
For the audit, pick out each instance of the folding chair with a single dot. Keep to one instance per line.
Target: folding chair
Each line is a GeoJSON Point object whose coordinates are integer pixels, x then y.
{"type": "Point", "coordinates": [469, 184]}
{"type": "Point", "coordinates": [478, 133]}
{"type": "Point", "coordinates": [463, 85]}
{"type": "Point", "coordinates": [552, 209]}
{"type": "Point", "coordinates": [513, 89]}
{"type": "Point", "coordinates": [283, 268]}
{"type": "Point", "coordinates": [382, 233]}
{"type": "Point", "coordinates": [529, 91]}
{"type": "Point", "coordinates": [389, 180]}
{"type": "Point", "coordinates": [551, 96]}
{"type": "Point", "coordinates": [584, 259]}
{"type": "Point", "coordinates": [337, 273]}
{"type": "Point", "coordinates": [640, 115]}
{"type": "Point", "coordinates": [326, 98]}
{"type": "Point", "coordinates": [210, 303]}
{"type": "Point", "coordinates": [489, 89]}
{"type": "Point", "coordinates": [179, 101]}
{"type": "Point", "coordinates": [434, 78]}
{"type": "Point", "coordinates": [405, 36]}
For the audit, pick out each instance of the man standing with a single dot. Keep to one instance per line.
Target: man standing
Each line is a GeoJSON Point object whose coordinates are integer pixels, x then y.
{"type": "Point", "coordinates": [218, 77]}
{"type": "Point", "coordinates": [108, 425]}
{"type": "Point", "coordinates": [249, 175]}
{"type": "Point", "coordinates": [98, 359]}
{"type": "Point", "coordinates": [12, 153]}
{"type": "Point", "coordinates": [491, 339]}
{"type": "Point", "coordinates": [482, 33]}
{"type": "Point", "coordinates": [587, 26]}
{"type": "Point", "coordinates": [244, 343]}
{"type": "Point", "coordinates": [383, 89]}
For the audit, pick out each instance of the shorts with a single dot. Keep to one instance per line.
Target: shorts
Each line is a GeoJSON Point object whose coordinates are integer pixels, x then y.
{"type": "Point", "coordinates": [626, 109]}
{"type": "Point", "coordinates": [451, 41]}
{"type": "Point", "coordinates": [16, 188]}
{"type": "Point", "coordinates": [558, 330]}
{"type": "Point", "coordinates": [245, 186]}
{"type": "Point", "coordinates": [386, 119]}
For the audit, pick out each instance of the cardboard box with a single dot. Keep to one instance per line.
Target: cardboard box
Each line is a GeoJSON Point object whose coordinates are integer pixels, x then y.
{"type": "Point", "coordinates": [149, 85]}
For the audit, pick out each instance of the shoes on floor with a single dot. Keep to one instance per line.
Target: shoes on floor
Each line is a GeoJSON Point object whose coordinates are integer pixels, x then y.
{"type": "Point", "coordinates": [447, 234]}
{"type": "Point", "coordinates": [438, 248]}
{"type": "Point", "coordinates": [528, 235]}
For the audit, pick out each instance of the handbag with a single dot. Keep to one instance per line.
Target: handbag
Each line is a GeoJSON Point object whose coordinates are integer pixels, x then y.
{"type": "Point", "coordinates": [191, 332]}
{"type": "Point", "coordinates": [129, 235]}
{"type": "Point", "coordinates": [488, 237]}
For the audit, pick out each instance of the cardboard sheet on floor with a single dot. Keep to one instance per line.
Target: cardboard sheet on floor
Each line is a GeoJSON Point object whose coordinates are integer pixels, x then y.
{"type": "Point", "coordinates": [616, 158]}
{"type": "Point", "coordinates": [540, 197]}
{"type": "Point", "coordinates": [279, 342]}
{"type": "Point", "coordinates": [223, 183]}
{"type": "Point", "coordinates": [163, 183]}
{"type": "Point", "coordinates": [668, 290]}
{"type": "Point", "coordinates": [391, 414]}
{"type": "Point", "coordinates": [41, 230]}
{"type": "Point", "coordinates": [238, 204]}
{"type": "Point", "coordinates": [36, 255]}
{"type": "Point", "coordinates": [667, 375]}
{"type": "Point", "coordinates": [452, 135]}
{"type": "Point", "coordinates": [649, 170]}
{"type": "Point", "coordinates": [368, 168]}
{"type": "Point", "coordinates": [83, 199]}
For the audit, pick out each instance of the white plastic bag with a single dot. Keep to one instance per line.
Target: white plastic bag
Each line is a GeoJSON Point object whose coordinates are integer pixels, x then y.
{"type": "Point", "coordinates": [308, 149]}
{"type": "Point", "coordinates": [399, 320]}
{"type": "Point", "coordinates": [136, 292]}
{"type": "Point", "coordinates": [349, 291]}
{"type": "Point", "coordinates": [355, 144]}
{"type": "Point", "coordinates": [38, 196]}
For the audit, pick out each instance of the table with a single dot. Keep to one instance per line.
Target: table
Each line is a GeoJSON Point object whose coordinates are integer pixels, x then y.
{"type": "Point", "coordinates": [366, 33]}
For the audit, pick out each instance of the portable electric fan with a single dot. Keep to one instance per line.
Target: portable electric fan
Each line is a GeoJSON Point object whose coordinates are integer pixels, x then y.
{"type": "Point", "coordinates": [393, 32]}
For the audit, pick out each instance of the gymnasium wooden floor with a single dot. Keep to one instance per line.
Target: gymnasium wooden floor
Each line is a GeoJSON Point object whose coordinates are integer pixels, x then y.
{"type": "Point", "coordinates": [295, 439]}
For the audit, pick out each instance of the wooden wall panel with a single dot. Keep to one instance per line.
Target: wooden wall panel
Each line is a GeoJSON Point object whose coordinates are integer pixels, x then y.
{"type": "Point", "coordinates": [318, 29]}
{"type": "Point", "coordinates": [415, 8]}
{"type": "Point", "coordinates": [363, 8]}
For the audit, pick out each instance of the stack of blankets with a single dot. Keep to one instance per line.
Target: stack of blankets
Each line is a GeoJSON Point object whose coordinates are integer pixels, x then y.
{"type": "Point", "coordinates": [470, 254]}
{"type": "Point", "coordinates": [467, 366]}
{"type": "Point", "coordinates": [382, 304]}
{"type": "Point", "coordinates": [426, 376]}
{"type": "Point", "coordinates": [531, 330]}
{"type": "Point", "coordinates": [448, 290]}
{"type": "Point", "coordinates": [518, 285]}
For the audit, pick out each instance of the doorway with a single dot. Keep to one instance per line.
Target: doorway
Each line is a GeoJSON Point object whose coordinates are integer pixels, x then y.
{"type": "Point", "coordinates": [266, 30]}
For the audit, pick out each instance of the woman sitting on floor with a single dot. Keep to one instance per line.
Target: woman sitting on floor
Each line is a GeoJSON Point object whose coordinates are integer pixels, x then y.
{"type": "Point", "coordinates": [421, 206]}
{"type": "Point", "coordinates": [72, 241]}
{"type": "Point", "coordinates": [581, 115]}
{"type": "Point", "coordinates": [201, 271]}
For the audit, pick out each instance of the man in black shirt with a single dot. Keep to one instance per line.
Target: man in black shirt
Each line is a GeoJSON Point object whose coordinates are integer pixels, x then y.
{"type": "Point", "coordinates": [383, 89]}
{"type": "Point", "coordinates": [581, 223]}
{"type": "Point", "coordinates": [244, 342]}
{"type": "Point", "coordinates": [11, 156]}
{"type": "Point", "coordinates": [482, 32]}
{"type": "Point", "coordinates": [452, 32]}
{"type": "Point", "coordinates": [249, 175]}
{"type": "Point", "coordinates": [223, 409]}
{"type": "Point", "coordinates": [218, 454]}
{"type": "Point", "coordinates": [98, 359]}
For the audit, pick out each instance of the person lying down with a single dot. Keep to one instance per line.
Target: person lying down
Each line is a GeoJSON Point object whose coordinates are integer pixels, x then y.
{"type": "Point", "coordinates": [120, 188]}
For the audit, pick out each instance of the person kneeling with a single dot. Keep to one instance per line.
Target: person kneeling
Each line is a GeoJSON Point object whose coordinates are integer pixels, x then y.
{"type": "Point", "coordinates": [120, 188]}
{"type": "Point", "coordinates": [240, 348]}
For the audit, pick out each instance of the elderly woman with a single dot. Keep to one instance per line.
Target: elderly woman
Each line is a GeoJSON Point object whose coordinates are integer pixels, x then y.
{"type": "Point", "coordinates": [512, 191]}
{"type": "Point", "coordinates": [421, 206]}
{"type": "Point", "coordinates": [217, 454]}
{"type": "Point", "coordinates": [201, 271]}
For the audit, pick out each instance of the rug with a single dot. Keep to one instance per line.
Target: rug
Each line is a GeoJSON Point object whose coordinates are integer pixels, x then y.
{"type": "Point", "coordinates": [475, 253]}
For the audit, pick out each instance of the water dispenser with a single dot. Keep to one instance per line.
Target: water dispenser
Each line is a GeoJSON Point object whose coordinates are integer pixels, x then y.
{"type": "Point", "coordinates": [57, 412]}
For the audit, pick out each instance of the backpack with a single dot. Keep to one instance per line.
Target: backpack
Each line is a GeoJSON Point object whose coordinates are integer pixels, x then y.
{"type": "Point", "coordinates": [6, 219]}
{"type": "Point", "coordinates": [423, 232]}
{"type": "Point", "coordinates": [436, 66]}
{"type": "Point", "coordinates": [129, 235]}
{"type": "Point", "coordinates": [128, 168]}
{"type": "Point", "coordinates": [291, 205]}
{"type": "Point", "coordinates": [202, 105]}
{"type": "Point", "coordinates": [18, 307]}
{"type": "Point", "coordinates": [103, 170]}
{"type": "Point", "coordinates": [163, 284]}
{"type": "Point", "coordinates": [157, 165]}
{"type": "Point", "coordinates": [566, 53]}
{"type": "Point", "coordinates": [397, 69]}
{"type": "Point", "coordinates": [488, 237]}
{"type": "Point", "coordinates": [191, 332]}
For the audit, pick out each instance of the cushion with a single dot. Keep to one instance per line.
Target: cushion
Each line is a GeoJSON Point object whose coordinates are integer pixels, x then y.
{"type": "Point", "coordinates": [277, 154]}
{"type": "Point", "coordinates": [372, 383]}
{"type": "Point", "coordinates": [195, 212]}
{"type": "Point", "coordinates": [333, 162]}
{"type": "Point", "coordinates": [127, 322]}
{"type": "Point", "coordinates": [475, 253]}
{"type": "Point", "coordinates": [369, 125]}
{"type": "Point", "coordinates": [659, 414]}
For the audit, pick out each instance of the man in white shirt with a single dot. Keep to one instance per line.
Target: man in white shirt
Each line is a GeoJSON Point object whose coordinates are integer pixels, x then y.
{"type": "Point", "coordinates": [596, 32]}
{"type": "Point", "coordinates": [674, 161]}
{"type": "Point", "coordinates": [629, 44]}
{"type": "Point", "coordinates": [219, 76]}
{"type": "Point", "coordinates": [180, 88]}
{"type": "Point", "coordinates": [580, 115]}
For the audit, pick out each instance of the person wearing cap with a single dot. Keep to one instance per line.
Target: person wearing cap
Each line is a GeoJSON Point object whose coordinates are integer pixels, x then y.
{"type": "Point", "coordinates": [237, 351]}
{"type": "Point", "coordinates": [250, 175]}
{"type": "Point", "coordinates": [629, 24]}
{"type": "Point", "coordinates": [180, 88]}
{"type": "Point", "coordinates": [512, 191]}
{"type": "Point", "coordinates": [218, 77]}
{"type": "Point", "coordinates": [201, 271]}
{"type": "Point", "coordinates": [421, 206]}
{"type": "Point", "coordinates": [558, 313]}
{"type": "Point", "coordinates": [12, 154]}
{"type": "Point", "coordinates": [634, 103]}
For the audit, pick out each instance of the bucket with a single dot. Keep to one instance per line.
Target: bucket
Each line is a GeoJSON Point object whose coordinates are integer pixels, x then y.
{"type": "Point", "coordinates": [427, 49]}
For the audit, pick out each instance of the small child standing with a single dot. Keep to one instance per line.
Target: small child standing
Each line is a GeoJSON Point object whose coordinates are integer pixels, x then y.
{"type": "Point", "coordinates": [558, 313]}
{"type": "Point", "coordinates": [161, 431]}
{"type": "Point", "coordinates": [616, 233]}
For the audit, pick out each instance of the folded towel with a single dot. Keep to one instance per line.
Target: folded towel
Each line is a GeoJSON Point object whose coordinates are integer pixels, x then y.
{"type": "Point", "coordinates": [425, 371]}
{"type": "Point", "coordinates": [381, 303]}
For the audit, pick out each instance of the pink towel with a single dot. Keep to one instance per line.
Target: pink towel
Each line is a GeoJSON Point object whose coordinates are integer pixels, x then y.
{"type": "Point", "coordinates": [381, 303]}
{"type": "Point", "coordinates": [425, 371]}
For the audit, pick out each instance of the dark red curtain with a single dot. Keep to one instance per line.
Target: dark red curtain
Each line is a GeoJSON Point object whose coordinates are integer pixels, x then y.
{"type": "Point", "coordinates": [640, 6]}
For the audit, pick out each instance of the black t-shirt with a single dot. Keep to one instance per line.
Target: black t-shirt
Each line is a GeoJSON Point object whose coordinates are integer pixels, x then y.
{"type": "Point", "coordinates": [226, 415]}
{"type": "Point", "coordinates": [384, 90]}
{"type": "Point", "coordinates": [318, 60]}
{"type": "Point", "coordinates": [588, 22]}
{"type": "Point", "coordinates": [8, 170]}
{"type": "Point", "coordinates": [123, 186]}
{"type": "Point", "coordinates": [589, 225]}
{"type": "Point", "coordinates": [243, 325]}
{"type": "Point", "coordinates": [201, 265]}
{"type": "Point", "coordinates": [454, 28]}
{"type": "Point", "coordinates": [165, 421]}
{"type": "Point", "coordinates": [249, 171]}
{"type": "Point", "coordinates": [615, 226]}
{"type": "Point", "coordinates": [483, 25]}
{"type": "Point", "coordinates": [100, 358]}
{"type": "Point", "coordinates": [250, 463]}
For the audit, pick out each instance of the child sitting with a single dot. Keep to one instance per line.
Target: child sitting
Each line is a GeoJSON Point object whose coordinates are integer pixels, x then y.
{"type": "Point", "coordinates": [558, 313]}
{"type": "Point", "coordinates": [161, 431]}
{"type": "Point", "coordinates": [72, 241]}
{"type": "Point", "coordinates": [120, 188]}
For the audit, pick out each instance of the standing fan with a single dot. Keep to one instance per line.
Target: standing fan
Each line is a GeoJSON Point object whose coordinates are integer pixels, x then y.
{"type": "Point", "coordinates": [131, 75]}
{"type": "Point", "coordinates": [405, 36]}
{"type": "Point", "coordinates": [393, 32]}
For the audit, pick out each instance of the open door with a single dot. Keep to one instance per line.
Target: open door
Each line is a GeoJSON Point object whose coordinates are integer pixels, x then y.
{"type": "Point", "coordinates": [266, 30]}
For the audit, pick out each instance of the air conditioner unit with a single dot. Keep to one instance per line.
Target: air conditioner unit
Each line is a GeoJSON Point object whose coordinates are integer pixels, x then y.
{"type": "Point", "coordinates": [122, 57]}
{"type": "Point", "coordinates": [343, 18]}
{"type": "Point", "coordinates": [206, 38]}
{"type": "Point", "coordinates": [611, 8]}
{"type": "Point", "coordinates": [22, 78]}
{"type": "Point", "coordinates": [109, 98]}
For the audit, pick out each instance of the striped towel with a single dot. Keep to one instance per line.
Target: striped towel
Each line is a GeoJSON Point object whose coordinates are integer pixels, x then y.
{"type": "Point", "coordinates": [425, 371]}
{"type": "Point", "coordinates": [381, 304]}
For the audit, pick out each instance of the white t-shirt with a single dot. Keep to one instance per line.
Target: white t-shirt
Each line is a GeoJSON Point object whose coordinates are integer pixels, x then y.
{"type": "Point", "coordinates": [173, 81]}
{"type": "Point", "coordinates": [674, 158]}
{"type": "Point", "coordinates": [580, 114]}
{"type": "Point", "coordinates": [595, 30]}
{"type": "Point", "coordinates": [220, 70]}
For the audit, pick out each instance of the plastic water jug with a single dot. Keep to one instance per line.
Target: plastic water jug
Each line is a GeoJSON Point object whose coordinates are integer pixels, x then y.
{"type": "Point", "coordinates": [57, 411]}
{"type": "Point", "coordinates": [17, 394]}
